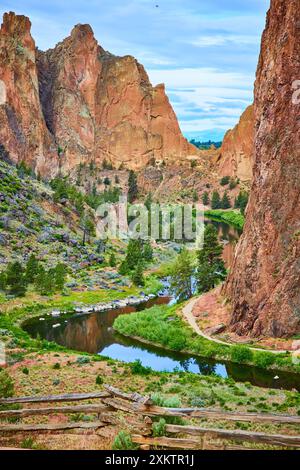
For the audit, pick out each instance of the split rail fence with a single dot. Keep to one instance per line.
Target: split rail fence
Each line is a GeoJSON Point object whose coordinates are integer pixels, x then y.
{"type": "Point", "coordinates": [142, 411]}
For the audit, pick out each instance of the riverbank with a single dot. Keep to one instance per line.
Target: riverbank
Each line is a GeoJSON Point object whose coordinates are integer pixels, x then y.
{"type": "Point", "coordinates": [13, 313]}
{"type": "Point", "coordinates": [233, 218]}
{"type": "Point", "coordinates": [163, 326]}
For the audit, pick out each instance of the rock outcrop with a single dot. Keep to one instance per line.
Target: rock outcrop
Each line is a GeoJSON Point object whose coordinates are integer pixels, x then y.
{"type": "Point", "coordinates": [237, 152]}
{"type": "Point", "coordinates": [23, 131]}
{"type": "Point", "coordinates": [264, 286]}
{"type": "Point", "coordinates": [77, 103]}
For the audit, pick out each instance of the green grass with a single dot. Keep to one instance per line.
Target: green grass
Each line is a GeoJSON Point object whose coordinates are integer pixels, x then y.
{"type": "Point", "coordinates": [162, 326]}
{"type": "Point", "coordinates": [234, 218]}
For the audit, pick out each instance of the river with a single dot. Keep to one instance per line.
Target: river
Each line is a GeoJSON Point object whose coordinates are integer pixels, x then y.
{"type": "Point", "coordinates": [93, 333]}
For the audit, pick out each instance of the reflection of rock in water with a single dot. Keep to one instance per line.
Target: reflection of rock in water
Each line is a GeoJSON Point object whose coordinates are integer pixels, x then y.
{"type": "Point", "coordinates": [262, 377]}
{"type": "Point", "coordinates": [90, 333]}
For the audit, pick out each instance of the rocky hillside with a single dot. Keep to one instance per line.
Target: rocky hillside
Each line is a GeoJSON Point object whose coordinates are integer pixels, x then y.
{"type": "Point", "coordinates": [264, 284]}
{"type": "Point", "coordinates": [237, 152]}
{"type": "Point", "coordinates": [79, 104]}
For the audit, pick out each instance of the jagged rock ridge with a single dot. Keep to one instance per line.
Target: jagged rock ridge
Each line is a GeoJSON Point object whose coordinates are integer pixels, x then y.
{"type": "Point", "coordinates": [237, 151]}
{"type": "Point", "coordinates": [77, 103]}
{"type": "Point", "coordinates": [264, 286]}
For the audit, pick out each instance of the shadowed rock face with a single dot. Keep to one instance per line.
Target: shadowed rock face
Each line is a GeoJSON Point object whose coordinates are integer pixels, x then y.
{"type": "Point", "coordinates": [77, 103]}
{"type": "Point", "coordinates": [237, 151]}
{"type": "Point", "coordinates": [264, 286]}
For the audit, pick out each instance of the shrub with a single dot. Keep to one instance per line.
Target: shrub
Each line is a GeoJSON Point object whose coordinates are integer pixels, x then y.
{"type": "Point", "coordinates": [25, 371]}
{"type": "Point", "coordinates": [99, 380]}
{"type": "Point", "coordinates": [6, 385]}
{"type": "Point", "coordinates": [225, 180]}
{"type": "Point", "coordinates": [159, 429]}
{"type": "Point", "coordinates": [56, 366]}
{"type": "Point", "coordinates": [264, 359]}
{"type": "Point", "coordinates": [83, 360]}
{"type": "Point", "coordinates": [123, 441]}
{"type": "Point", "coordinates": [241, 354]}
{"type": "Point", "coordinates": [138, 369]}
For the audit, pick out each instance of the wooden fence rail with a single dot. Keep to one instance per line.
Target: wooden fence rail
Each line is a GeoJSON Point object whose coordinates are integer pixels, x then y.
{"type": "Point", "coordinates": [112, 401]}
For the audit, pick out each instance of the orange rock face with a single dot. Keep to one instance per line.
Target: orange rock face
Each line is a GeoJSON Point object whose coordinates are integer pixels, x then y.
{"type": "Point", "coordinates": [23, 131]}
{"type": "Point", "coordinates": [77, 103]}
{"type": "Point", "coordinates": [237, 151]}
{"type": "Point", "coordinates": [264, 286]}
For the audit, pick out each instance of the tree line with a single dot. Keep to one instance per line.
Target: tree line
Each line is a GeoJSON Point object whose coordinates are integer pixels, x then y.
{"type": "Point", "coordinates": [16, 278]}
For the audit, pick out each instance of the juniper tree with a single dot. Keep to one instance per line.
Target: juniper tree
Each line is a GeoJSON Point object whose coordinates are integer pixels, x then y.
{"type": "Point", "coordinates": [15, 278]}
{"type": "Point", "coordinates": [132, 187]}
{"type": "Point", "coordinates": [225, 203]}
{"type": "Point", "coordinates": [215, 200]}
{"type": "Point", "coordinates": [138, 275]}
{"type": "Point", "coordinates": [181, 275]}
{"type": "Point", "coordinates": [211, 268]}
{"type": "Point", "coordinates": [32, 269]}
{"type": "Point", "coordinates": [205, 198]}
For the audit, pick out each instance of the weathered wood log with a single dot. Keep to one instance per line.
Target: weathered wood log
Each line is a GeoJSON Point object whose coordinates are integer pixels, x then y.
{"type": "Point", "coordinates": [49, 427]}
{"type": "Point", "coordinates": [55, 398]}
{"type": "Point", "coordinates": [248, 436]}
{"type": "Point", "coordinates": [248, 417]}
{"type": "Point", "coordinates": [187, 444]}
{"type": "Point", "coordinates": [54, 410]}
{"type": "Point", "coordinates": [199, 413]}
{"type": "Point", "coordinates": [135, 397]}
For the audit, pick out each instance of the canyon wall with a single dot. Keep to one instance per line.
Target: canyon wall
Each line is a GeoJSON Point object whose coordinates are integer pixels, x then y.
{"type": "Point", "coordinates": [23, 130]}
{"type": "Point", "coordinates": [237, 151]}
{"type": "Point", "coordinates": [264, 285]}
{"type": "Point", "coordinates": [77, 103]}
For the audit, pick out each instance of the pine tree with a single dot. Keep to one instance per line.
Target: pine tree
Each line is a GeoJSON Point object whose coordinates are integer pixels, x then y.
{"type": "Point", "coordinates": [15, 279]}
{"type": "Point", "coordinates": [242, 201]}
{"type": "Point", "coordinates": [215, 200]}
{"type": "Point", "coordinates": [134, 253]}
{"type": "Point", "coordinates": [205, 198]}
{"type": "Point", "coordinates": [211, 268]}
{"type": "Point", "coordinates": [87, 225]}
{"type": "Point", "coordinates": [181, 275]}
{"type": "Point", "coordinates": [195, 196]}
{"type": "Point", "coordinates": [32, 269]}
{"type": "Point", "coordinates": [45, 281]}
{"type": "Point", "coordinates": [60, 273]}
{"type": "Point", "coordinates": [138, 276]}
{"type": "Point", "coordinates": [112, 260]}
{"type": "Point", "coordinates": [147, 251]}
{"type": "Point", "coordinates": [123, 268]}
{"type": "Point", "coordinates": [132, 187]}
{"type": "Point", "coordinates": [3, 281]}
{"type": "Point", "coordinates": [225, 203]}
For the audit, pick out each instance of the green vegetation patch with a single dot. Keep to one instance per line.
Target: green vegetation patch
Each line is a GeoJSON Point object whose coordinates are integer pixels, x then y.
{"type": "Point", "coordinates": [161, 325]}
{"type": "Point", "coordinates": [233, 218]}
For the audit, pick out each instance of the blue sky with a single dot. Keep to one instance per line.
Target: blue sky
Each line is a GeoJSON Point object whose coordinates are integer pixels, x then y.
{"type": "Point", "coordinates": [205, 51]}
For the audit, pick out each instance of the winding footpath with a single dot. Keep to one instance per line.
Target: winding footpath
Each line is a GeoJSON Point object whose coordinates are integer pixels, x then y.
{"type": "Point", "coordinates": [187, 312]}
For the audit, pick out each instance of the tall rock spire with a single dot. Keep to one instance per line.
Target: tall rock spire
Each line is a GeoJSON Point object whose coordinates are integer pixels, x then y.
{"type": "Point", "coordinates": [264, 285]}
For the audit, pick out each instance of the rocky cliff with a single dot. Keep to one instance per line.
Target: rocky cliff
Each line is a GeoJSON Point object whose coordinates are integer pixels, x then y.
{"type": "Point", "coordinates": [264, 286]}
{"type": "Point", "coordinates": [23, 131]}
{"type": "Point", "coordinates": [77, 103]}
{"type": "Point", "coordinates": [237, 151]}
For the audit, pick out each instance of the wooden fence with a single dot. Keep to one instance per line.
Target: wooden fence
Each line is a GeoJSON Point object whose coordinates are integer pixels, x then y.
{"type": "Point", "coordinates": [142, 411]}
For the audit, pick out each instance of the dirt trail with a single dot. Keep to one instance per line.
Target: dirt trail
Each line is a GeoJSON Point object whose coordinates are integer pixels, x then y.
{"type": "Point", "coordinates": [187, 312]}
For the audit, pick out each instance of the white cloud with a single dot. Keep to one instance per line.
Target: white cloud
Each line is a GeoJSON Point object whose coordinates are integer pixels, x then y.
{"type": "Point", "coordinates": [223, 40]}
